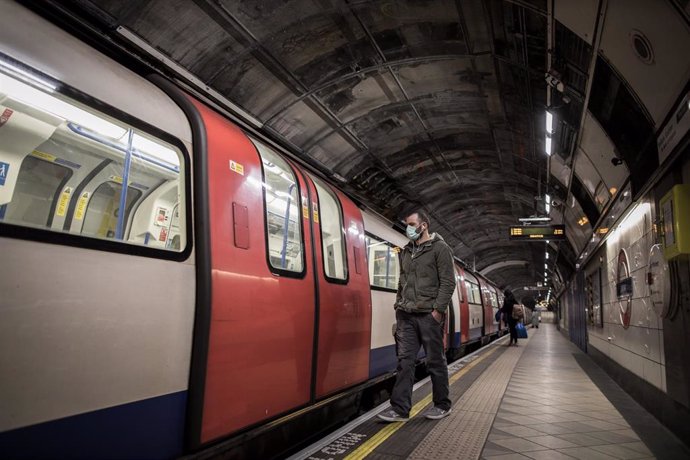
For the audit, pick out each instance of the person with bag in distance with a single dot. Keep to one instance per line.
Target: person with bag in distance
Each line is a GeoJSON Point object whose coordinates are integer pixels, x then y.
{"type": "Point", "coordinates": [425, 287]}
{"type": "Point", "coordinates": [512, 313]}
{"type": "Point", "coordinates": [520, 326]}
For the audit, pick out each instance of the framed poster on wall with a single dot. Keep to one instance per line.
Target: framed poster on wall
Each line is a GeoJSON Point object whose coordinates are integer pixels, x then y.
{"type": "Point", "coordinates": [594, 296]}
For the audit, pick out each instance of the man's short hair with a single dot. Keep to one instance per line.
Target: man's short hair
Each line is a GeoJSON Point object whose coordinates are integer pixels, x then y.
{"type": "Point", "coordinates": [423, 216]}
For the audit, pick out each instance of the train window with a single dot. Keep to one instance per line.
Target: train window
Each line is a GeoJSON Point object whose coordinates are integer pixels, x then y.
{"type": "Point", "coordinates": [460, 279]}
{"type": "Point", "coordinates": [332, 233]}
{"type": "Point", "coordinates": [383, 262]}
{"type": "Point", "coordinates": [283, 221]}
{"type": "Point", "coordinates": [102, 211]}
{"type": "Point", "coordinates": [37, 186]}
{"type": "Point", "coordinates": [473, 293]}
{"type": "Point", "coordinates": [63, 163]}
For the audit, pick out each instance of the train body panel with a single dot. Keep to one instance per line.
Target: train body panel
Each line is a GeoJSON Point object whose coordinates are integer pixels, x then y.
{"type": "Point", "coordinates": [74, 320]}
{"type": "Point", "coordinates": [96, 314]}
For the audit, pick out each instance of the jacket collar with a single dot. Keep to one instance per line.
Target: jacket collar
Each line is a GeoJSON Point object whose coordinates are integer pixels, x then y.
{"type": "Point", "coordinates": [417, 248]}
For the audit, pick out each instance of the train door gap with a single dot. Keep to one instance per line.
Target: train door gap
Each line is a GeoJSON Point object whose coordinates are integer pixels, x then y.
{"type": "Point", "coordinates": [311, 197]}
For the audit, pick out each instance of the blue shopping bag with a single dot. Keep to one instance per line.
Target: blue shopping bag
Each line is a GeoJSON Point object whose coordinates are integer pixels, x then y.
{"type": "Point", "coordinates": [521, 331]}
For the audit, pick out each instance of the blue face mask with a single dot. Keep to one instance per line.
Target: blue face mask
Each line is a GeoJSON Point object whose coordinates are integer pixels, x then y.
{"type": "Point", "coordinates": [412, 232]}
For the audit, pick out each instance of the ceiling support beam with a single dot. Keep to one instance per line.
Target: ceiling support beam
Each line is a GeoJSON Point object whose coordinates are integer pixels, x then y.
{"type": "Point", "coordinates": [505, 263]}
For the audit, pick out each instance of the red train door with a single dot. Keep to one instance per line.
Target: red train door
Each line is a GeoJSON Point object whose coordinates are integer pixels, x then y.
{"type": "Point", "coordinates": [464, 307]}
{"type": "Point", "coordinates": [262, 284]}
{"type": "Point", "coordinates": [344, 303]}
{"type": "Point", "coordinates": [489, 327]}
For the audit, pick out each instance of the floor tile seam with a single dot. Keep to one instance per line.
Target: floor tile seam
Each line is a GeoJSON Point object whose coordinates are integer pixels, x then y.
{"type": "Point", "coordinates": [528, 397]}
{"type": "Point", "coordinates": [550, 406]}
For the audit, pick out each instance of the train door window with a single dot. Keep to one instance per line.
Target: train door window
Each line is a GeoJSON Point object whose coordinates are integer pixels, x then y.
{"type": "Point", "coordinates": [473, 293]}
{"type": "Point", "coordinates": [494, 300]}
{"type": "Point", "coordinates": [332, 233]}
{"type": "Point", "coordinates": [38, 184]}
{"type": "Point", "coordinates": [460, 279]}
{"type": "Point", "coordinates": [103, 209]}
{"type": "Point", "coordinates": [283, 219]}
{"type": "Point", "coordinates": [384, 266]}
{"type": "Point", "coordinates": [62, 162]}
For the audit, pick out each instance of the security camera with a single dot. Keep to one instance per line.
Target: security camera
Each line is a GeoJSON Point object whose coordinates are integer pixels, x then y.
{"type": "Point", "coordinates": [553, 79]}
{"type": "Point", "coordinates": [616, 161]}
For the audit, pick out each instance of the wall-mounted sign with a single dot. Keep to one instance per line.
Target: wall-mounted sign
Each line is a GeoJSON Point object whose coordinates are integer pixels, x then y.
{"type": "Point", "coordinates": [538, 232]}
{"type": "Point", "coordinates": [624, 288]}
{"type": "Point", "coordinates": [659, 281]}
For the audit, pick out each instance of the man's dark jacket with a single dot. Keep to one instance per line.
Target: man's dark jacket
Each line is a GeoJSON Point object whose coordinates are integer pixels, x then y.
{"type": "Point", "coordinates": [427, 277]}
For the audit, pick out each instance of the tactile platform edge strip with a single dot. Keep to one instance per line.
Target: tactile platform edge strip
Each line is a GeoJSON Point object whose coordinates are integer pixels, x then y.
{"type": "Point", "coordinates": [463, 433]}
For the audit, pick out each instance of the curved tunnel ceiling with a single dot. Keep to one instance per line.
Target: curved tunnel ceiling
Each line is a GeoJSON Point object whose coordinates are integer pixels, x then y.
{"type": "Point", "coordinates": [413, 103]}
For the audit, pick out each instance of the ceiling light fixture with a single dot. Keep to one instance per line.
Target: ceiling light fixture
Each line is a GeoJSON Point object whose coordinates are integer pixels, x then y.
{"type": "Point", "coordinates": [549, 122]}
{"type": "Point", "coordinates": [534, 219]}
{"type": "Point", "coordinates": [547, 201]}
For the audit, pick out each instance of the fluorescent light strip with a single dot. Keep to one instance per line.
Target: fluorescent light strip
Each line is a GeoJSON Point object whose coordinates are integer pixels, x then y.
{"type": "Point", "coordinates": [548, 146]}
{"type": "Point", "coordinates": [34, 79]}
{"type": "Point", "coordinates": [29, 95]}
{"type": "Point", "coordinates": [547, 200]}
{"type": "Point", "coordinates": [549, 122]}
{"type": "Point", "coordinates": [534, 219]}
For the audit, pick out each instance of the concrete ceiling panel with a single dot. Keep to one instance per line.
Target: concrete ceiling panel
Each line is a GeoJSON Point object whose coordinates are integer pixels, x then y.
{"type": "Point", "coordinates": [579, 16]}
{"type": "Point", "coordinates": [645, 48]}
{"type": "Point", "coordinates": [600, 150]}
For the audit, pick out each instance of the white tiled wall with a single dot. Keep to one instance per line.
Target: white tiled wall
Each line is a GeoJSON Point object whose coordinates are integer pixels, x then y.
{"type": "Point", "coordinates": [639, 348]}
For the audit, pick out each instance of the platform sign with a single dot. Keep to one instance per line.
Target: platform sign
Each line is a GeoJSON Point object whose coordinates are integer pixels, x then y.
{"type": "Point", "coordinates": [4, 171]}
{"type": "Point", "coordinates": [538, 232]}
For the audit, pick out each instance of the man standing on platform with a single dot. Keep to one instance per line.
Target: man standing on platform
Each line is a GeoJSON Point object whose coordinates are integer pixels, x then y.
{"type": "Point", "coordinates": [426, 285]}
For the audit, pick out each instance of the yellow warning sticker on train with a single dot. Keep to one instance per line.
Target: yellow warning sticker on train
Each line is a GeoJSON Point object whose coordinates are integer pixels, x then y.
{"type": "Point", "coordinates": [64, 201]}
{"type": "Point", "coordinates": [305, 210]}
{"type": "Point", "coordinates": [81, 206]}
{"type": "Point", "coordinates": [316, 212]}
{"type": "Point", "coordinates": [116, 179]}
{"type": "Point", "coordinates": [238, 168]}
{"type": "Point", "coordinates": [43, 156]}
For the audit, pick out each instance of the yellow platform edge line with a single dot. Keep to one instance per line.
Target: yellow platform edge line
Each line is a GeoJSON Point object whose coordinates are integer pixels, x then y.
{"type": "Point", "coordinates": [372, 443]}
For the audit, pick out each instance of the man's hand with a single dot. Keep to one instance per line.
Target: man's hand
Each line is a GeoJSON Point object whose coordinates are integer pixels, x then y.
{"type": "Point", "coordinates": [438, 316]}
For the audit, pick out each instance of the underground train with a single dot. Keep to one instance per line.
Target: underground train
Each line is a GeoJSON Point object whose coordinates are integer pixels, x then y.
{"type": "Point", "coordinates": [168, 276]}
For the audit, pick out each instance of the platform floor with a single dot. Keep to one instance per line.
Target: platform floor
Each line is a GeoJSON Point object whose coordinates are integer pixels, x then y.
{"type": "Point", "coordinates": [544, 399]}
